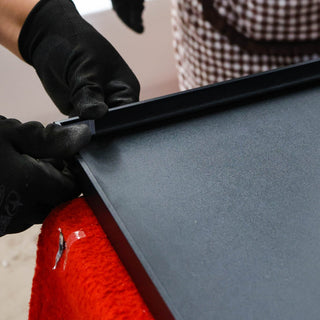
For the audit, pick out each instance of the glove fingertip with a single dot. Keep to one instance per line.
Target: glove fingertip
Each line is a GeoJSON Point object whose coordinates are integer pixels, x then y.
{"type": "Point", "coordinates": [135, 22]}
{"type": "Point", "coordinates": [78, 136]}
{"type": "Point", "coordinates": [64, 142]}
{"type": "Point", "coordinates": [94, 111]}
{"type": "Point", "coordinates": [88, 102]}
{"type": "Point", "coordinates": [139, 28]}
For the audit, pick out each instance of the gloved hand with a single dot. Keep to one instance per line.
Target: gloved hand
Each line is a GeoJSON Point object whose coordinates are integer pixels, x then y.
{"type": "Point", "coordinates": [130, 12]}
{"type": "Point", "coordinates": [32, 184]}
{"type": "Point", "coordinates": [80, 70]}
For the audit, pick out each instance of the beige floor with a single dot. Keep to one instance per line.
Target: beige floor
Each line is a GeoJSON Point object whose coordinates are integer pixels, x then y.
{"type": "Point", "coordinates": [17, 262]}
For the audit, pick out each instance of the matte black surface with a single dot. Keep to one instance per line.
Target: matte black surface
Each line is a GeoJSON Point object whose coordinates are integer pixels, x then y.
{"type": "Point", "coordinates": [217, 96]}
{"type": "Point", "coordinates": [223, 210]}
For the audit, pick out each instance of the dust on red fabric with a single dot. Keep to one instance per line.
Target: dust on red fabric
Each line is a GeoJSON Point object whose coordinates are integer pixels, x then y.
{"type": "Point", "coordinates": [89, 281]}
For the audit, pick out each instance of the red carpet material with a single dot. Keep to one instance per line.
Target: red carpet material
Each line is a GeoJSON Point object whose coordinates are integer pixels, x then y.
{"type": "Point", "coordinates": [89, 281]}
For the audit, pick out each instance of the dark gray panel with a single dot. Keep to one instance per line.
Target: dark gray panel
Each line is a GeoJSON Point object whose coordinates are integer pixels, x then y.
{"type": "Point", "coordinates": [223, 209]}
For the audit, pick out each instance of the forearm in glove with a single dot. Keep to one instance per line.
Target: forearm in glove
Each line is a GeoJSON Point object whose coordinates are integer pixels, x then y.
{"type": "Point", "coordinates": [33, 175]}
{"type": "Point", "coordinates": [80, 70]}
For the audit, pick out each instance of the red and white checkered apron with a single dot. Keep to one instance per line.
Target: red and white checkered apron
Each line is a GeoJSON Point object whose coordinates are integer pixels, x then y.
{"type": "Point", "coordinates": [216, 40]}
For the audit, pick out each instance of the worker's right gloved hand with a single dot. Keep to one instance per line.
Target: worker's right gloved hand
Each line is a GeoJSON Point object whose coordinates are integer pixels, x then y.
{"type": "Point", "coordinates": [80, 70]}
{"type": "Point", "coordinates": [33, 176]}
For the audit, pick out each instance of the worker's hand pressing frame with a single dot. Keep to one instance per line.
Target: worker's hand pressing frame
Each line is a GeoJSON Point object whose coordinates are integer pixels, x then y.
{"type": "Point", "coordinates": [34, 177]}
{"type": "Point", "coordinates": [81, 71]}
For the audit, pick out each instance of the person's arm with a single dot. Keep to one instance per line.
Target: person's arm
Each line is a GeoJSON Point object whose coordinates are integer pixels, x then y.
{"type": "Point", "coordinates": [13, 14]}
{"type": "Point", "coordinates": [81, 71]}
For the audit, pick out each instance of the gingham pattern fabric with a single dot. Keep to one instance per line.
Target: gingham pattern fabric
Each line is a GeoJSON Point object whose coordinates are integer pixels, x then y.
{"type": "Point", "coordinates": [280, 20]}
{"type": "Point", "coordinates": [205, 56]}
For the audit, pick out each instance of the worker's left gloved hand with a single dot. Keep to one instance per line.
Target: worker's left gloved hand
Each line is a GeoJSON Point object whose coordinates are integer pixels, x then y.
{"type": "Point", "coordinates": [34, 177]}
{"type": "Point", "coordinates": [80, 70]}
{"type": "Point", "coordinates": [130, 12]}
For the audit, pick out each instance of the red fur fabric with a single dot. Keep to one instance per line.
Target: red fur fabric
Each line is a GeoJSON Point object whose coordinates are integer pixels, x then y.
{"type": "Point", "coordinates": [89, 281]}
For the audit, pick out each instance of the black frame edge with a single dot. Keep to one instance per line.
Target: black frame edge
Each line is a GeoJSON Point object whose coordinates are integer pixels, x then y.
{"type": "Point", "coordinates": [147, 289]}
{"type": "Point", "coordinates": [212, 96]}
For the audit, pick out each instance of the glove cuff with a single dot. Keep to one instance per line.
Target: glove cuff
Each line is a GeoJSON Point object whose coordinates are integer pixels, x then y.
{"type": "Point", "coordinates": [39, 23]}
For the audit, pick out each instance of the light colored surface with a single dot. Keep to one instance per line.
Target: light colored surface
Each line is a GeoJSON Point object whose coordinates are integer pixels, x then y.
{"type": "Point", "coordinates": [150, 56]}
{"type": "Point", "coordinates": [86, 7]}
{"type": "Point", "coordinates": [17, 262]}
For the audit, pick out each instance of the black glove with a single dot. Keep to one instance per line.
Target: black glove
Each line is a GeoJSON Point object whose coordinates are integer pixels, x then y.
{"type": "Point", "coordinates": [32, 184]}
{"type": "Point", "coordinates": [80, 70]}
{"type": "Point", "coordinates": [130, 12]}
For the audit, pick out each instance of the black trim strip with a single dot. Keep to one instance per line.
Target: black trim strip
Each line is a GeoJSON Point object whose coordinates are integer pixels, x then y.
{"type": "Point", "coordinates": [213, 96]}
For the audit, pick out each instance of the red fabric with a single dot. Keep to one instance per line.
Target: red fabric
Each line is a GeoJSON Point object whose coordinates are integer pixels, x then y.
{"type": "Point", "coordinates": [89, 281]}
